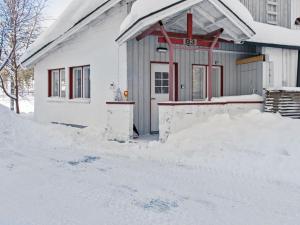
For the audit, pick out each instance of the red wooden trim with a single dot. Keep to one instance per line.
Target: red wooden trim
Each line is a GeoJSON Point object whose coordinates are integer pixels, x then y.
{"type": "Point", "coordinates": [222, 80]}
{"type": "Point", "coordinates": [176, 82]}
{"type": "Point", "coordinates": [50, 80]}
{"type": "Point", "coordinates": [207, 103]}
{"type": "Point", "coordinates": [178, 41]}
{"type": "Point", "coordinates": [184, 35]}
{"type": "Point", "coordinates": [71, 94]}
{"type": "Point", "coordinates": [175, 41]}
{"type": "Point", "coordinates": [120, 103]}
{"type": "Point", "coordinates": [71, 83]}
{"type": "Point", "coordinates": [171, 63]}
{"type": "Point", "coordinates": [190, 25]}
{"type": "Point", "coordinates": [148, 31]}
{"type": "Point", "coordinates": [49, 83]}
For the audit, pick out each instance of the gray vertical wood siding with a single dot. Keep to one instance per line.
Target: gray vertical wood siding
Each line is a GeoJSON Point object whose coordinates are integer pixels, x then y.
{"type": "Point", "coordinates": [258, 9]}
{"type": "Point", "coordinates": [141, 53]}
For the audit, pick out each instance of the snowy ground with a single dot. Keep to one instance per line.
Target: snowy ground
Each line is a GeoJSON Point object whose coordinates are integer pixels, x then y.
{"type": "Point", "coordinates": [243, 171]}
{"type": "Point", "coordinates": [26, 103]}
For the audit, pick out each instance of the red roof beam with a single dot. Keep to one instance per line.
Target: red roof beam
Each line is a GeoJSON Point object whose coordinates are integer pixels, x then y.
{"type": "Point", "coordinates": [189, 26]}
{"type": "Point", "coordinates": [148, 32]}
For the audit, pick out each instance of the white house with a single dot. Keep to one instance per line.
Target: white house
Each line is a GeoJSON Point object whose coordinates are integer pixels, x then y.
{"type": "Point", "coordinates": [99, 50]}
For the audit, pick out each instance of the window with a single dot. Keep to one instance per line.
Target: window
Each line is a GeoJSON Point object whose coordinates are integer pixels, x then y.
{"type": "Point", "coordinates": [272, 12]}
{"type": "Point", "coordinates": [80, 86]}
{"type": "Point", "coordinates": [57, 83]}
{"type": "Point", "coordinates": [161, 83]}
{"type": "Point", "coordinates": [200, 79]}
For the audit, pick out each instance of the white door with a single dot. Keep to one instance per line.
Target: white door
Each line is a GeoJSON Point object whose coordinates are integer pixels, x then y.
{"type": "Point", "coordinates": [159, 91]}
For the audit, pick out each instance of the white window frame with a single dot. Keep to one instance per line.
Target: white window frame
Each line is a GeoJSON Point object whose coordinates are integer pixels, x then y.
{"type": "Point", "coordinates": [272, 3]}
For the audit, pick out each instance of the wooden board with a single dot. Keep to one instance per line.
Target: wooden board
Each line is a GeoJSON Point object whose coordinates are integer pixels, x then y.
{"type": "Point", "coordinates": [258, 58]}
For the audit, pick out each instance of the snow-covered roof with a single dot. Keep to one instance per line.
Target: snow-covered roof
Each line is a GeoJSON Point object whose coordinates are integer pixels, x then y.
{"type": "Point", "coordinates": [78, 12]}
{"type": "Point", "coordinates": [267, 34]}
{"type": "Point", "coordinates": [210, 15]}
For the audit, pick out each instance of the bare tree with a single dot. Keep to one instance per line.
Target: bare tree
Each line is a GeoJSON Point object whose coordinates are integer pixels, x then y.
{"type": "Point", "coordinates": [20, 25]}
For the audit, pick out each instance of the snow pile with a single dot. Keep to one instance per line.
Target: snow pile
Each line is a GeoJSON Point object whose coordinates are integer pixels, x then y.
{"type": "Point", "coordinates": [240, 98]}
{"type": "Point", "coordinates": [227, 170]}
{"type": "Point", "coordinates": [142, 8]}
{"type": "Point", "coordinates": [257, 144]}
{"type": "Point", "coordinates": [289, 89]}
{"type": "Point", "coordinates": [271, 34]}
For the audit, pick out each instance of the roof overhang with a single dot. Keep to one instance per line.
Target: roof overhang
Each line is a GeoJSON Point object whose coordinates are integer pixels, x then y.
{"type": "Point", "coordinates": [278, 37]}
{"type": "Point", "coordinates": [208, 16]}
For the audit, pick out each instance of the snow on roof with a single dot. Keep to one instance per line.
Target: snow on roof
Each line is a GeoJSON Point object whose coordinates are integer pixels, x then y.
{"type": "Point", "coordinates": [275, 35]}
{"type": "Point", "coordinates": [143, 8]}
{"type": "Point", "coordinates": [75, 13]}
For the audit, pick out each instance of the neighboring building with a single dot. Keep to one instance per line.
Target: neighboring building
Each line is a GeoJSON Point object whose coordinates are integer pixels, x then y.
{"type": "Point", "coordinates": [99, 47]}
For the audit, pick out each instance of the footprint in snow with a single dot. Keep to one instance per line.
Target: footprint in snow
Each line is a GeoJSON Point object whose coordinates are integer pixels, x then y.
{"type": "Point", "coordinates": [160, 206]}
{"type": "Point", "coordinates": [85, 160]}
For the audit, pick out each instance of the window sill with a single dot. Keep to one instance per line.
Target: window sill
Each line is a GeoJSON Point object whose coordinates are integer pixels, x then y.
{"type": "Point", "coordinates": [80, 100]}
{"type": "Point", "coordinates": [56, 99]}
{"type": "Point", "coordinates": [65, 100]}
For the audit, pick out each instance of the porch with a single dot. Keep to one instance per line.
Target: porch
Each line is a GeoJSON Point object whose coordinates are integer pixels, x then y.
{"type": "Point", "coordinates": [190, 77]}
{"type": "Point", "coordinates": [182, 55]}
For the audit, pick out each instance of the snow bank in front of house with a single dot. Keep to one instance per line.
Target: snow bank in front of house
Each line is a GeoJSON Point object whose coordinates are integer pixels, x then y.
{"type": "Point", "coordinates": [271, 34]}
{"type": "Point", "coordinates": [142, 8]}
{"type": "Point", "coordinates": [243, 168]}
{"type": "Point", "coordinates": [257, 144]}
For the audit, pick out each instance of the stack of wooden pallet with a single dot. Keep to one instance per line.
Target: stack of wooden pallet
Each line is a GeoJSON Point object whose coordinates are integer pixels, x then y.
{"type": "Point", "coordinates": [286, 102]}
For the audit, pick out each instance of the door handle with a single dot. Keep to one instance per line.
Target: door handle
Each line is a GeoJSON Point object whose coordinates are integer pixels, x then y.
{"type": "Point", "coordinates": [153, 98]}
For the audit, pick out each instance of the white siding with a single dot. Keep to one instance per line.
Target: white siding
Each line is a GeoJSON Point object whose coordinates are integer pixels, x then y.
{"type": "Point", "coordinates": [94, 46]}
{"type": "Point", "coordinates": [295, 13]}
{"type": "Point", "coordinates": [283, 65]}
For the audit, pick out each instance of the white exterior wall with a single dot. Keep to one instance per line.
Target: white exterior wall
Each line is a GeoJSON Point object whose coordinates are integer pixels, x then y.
{"type": "Point", "coordinates": [280, 69]}
{"type": "Point", "coordinates": [295, 13]}
{"type": "Point", "coordinates": [94, 46]}
{"type": "Point", "coordinates": [119, 122]}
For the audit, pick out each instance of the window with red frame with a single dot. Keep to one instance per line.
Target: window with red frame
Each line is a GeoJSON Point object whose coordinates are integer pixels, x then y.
{"type": "Point", "coordinates": [57, 83]}
{"type": "Point", "coordinates": [80, 84]}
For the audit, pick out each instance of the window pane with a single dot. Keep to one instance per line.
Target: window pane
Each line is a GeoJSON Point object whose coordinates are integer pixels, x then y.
{"type": "Point", "coordinates": [157, 90]}
{"type": "Point", "coordinates": [165, 75]}
{"type": "Point", "coordinates": [165, 90]}
{"type": "Point", "coordinates": [157, 82]}
{"type": "Point", "coordinates": [165, 83]}
{"type": "Point", "coordinates": [157, 75]}
{"type": "Point", "coordinates": [87, 82]}
{"type": "Point", "coordinates": [216, 82]}
{"type": "Point", "coordinates": [55, 83]}
{"type": "Point", "coordinates": [63, 86]}
{"type": "Point", "coordinates": [77, 82]}
{"type": "Point", "coordinates": [199, 79]}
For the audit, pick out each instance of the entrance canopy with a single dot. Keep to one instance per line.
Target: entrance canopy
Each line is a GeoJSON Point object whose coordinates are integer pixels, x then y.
{"type": "Point", "coordinates": [208, 16]}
